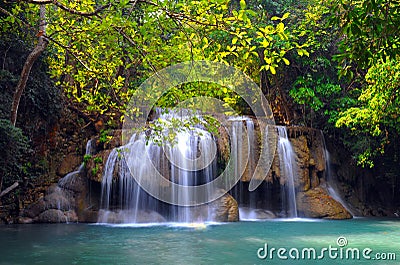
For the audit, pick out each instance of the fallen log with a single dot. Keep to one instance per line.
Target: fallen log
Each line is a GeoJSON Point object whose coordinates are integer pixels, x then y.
{"type": "Point", "coordinates": [13, 186]}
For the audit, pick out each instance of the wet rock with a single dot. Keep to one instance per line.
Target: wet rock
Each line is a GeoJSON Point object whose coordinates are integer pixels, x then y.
{"type": "Point", "coordinates": [302, 157]}
{"type": "Point", "coordinates": [73, 182]}
{"type": "Point", "coordinates": [34, 209]}
{"type": "Point", "coordinates": [255, 214]}
{"type": "Point", "coordinates": [225, 209]}
{"type": "Point", "coordinates": [123, 216]}
{"type": "Point", "coordinates": [25, 220]}
{"type": "Point", "coordinates": [71, 216]}
{"type": "Point", "coordinates": [57, 200]}
{"type": "Point", "coordinates": [52, 216]}
{"type": "Point", "coordinates": [89, 216]}
{"type": "Point", "coordinates": [316, 203]}
{"type": "Point", "coordinates": [95, 165]}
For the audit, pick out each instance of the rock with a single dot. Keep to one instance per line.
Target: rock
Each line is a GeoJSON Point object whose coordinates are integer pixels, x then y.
{"type": "Point", "coordinates": [124, 216]}
{"type": "Point", "coordinates": [316, 203]}
{"type": "Point", "coordinates": [25, 220]}
{"type": "Point", "coordinates": [223, 145]}
{"type": "Point", "coordinates": [71, 216]}
{"type": "Point", "coordinates": [302, 157]}
{"type": "Point", "coordinates": [89, 216]}
{"type": "Point", "coordinates": [52, 216]}
{"type": "Point", "coordinates": [225, 209]}
{"type": "Point", "coordinates": [96, 164]}
{"type": "Point", "coordinates": [255, 214]}
{"type": "Point", "coordinates": [70, 163]}
{"type": "Point", "coordinates": [115, 139]}
{"type": "Point", "coordinates": [34, 209]}
{"type": "Point", "coordinates": [57, 200]}
{"type": "Point", "coordinates": [73, 181]}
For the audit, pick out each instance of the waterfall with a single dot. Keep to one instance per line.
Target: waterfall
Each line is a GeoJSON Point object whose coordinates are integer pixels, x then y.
{"type": "Point", "coordinates": [257, 204]}
{"type": "Point", "coordinates": [288, 170]}
{"type": "Point", "coordinates": [330, 177]}
{"type": "Point", "coordinates": [178, 162]}
{"type": "Point", "coordinates": [243, 144]}
{"type": "Point", "coordinates": [70, 178]}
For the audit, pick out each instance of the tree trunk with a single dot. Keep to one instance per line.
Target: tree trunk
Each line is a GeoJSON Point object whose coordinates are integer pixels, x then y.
{"type": "Point", "coordinates": [32, 57]}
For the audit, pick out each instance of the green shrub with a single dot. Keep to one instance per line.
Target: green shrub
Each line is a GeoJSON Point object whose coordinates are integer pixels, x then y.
{"type": "Point", "coordinates": [14, 147]}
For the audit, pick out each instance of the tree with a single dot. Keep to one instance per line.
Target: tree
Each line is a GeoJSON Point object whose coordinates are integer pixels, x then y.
{"type": "Point", "coordinates": [32, 57]}
{"type": "Point", "coordinates": [369, 54]}
{"type": "Point", "coordinates": [15, 146]}
{"type": "Point", "coordinates": [100, 51]}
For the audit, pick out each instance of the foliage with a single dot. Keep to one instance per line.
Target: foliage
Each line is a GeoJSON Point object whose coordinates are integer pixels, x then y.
{"type": "Point", "coordinates": [368, 56]}
{"type": "Point", "coordinates": [14, 146]}
{"type": "Point", "coordinates": [86, 158]}
{"type": "Point", "coordinates": [41, 102]}
{"type": "Point", "coordinates": [101, 51]}
{"type": "Point", "coordinates": [369, 32]}
{"type": "Point", "coordinates": [151, 35]}
{"type": "Point", "coordinates": [317, 94]}
{"type": "Point", "coordinates": [376, 113]}
{"type": "Point", "coordinates": [105, 136]}
{"type": "Point", "coordinates": [165, 131]}
{"type": "Point", "coordinates": [97, 161]}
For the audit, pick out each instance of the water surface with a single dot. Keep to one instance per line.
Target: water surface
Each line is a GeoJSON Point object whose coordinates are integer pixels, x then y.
{"type": "Point", "coordinates": [229, 243]}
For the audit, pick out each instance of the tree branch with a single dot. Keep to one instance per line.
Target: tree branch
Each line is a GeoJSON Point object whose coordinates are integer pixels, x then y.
{"type": "Point", "coordinates": [13, 186]}
{"type": "Point", "coordinates": [178, 16]}
{"type": "Point", "coordinates": [70, 10]}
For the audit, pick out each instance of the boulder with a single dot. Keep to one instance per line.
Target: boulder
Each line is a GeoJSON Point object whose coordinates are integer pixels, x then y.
{"type": "Point", "coordinates": [255, 214]}
{"type": "Point", "coordinates": [57, 200]}
{"type": "Point", "coordinates": [316, 203]}
{"type": "Point", "coordinates": [52, 216]}
{"type": "Point", "coordinates": [225, 209]}
{"type": "Point", "coordinates": [126, 216]}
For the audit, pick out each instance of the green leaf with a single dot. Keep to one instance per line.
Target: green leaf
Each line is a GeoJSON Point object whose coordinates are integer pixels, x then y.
{"type": "Point", "coordinates": [272, 69]}
{"type": "Point", "coordinates": [234, 40]}
{"type": "Point", "coordinates": [286, 61]}
{"type": "Point", "coordinates": [280, 28]}
{"type": "Point", "coordinates": [285, 16]}
{"type": "Point", "coordinates": [242, 4]}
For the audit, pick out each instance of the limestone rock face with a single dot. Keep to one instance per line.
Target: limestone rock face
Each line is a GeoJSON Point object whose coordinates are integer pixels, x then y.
{"type": "Point", "coordinates": [225, 209]}
{"type": "Point", "coordinates": [302, 158]}
{"type": "Point", "coordinates": [96, 164]}
{"type": "Point", "coordinates": [70, 162]}
{"type": "Point", "coordinates": [316, 203]}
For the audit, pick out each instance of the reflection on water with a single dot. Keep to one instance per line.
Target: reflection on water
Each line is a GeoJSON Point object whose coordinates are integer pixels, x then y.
{"type": "Point", "coordinates": [202, 243]}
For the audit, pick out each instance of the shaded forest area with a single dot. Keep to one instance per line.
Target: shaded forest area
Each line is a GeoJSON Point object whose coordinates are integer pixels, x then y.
{"type": "Point", "coordinates": [330, 65]}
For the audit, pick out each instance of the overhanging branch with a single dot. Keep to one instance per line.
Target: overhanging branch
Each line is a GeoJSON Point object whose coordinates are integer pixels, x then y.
{"type": "Point", "coordinates": [70, 10]}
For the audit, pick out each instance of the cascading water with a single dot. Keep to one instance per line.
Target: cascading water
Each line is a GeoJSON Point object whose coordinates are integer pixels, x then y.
{"type": "Point", "coordinates": [288, 169]}
{"type": "Point", "coordinates": [236, 131]}
{"type": "Point", "coordinates": [330, 178]}
{"type": "Point", "coordinates": [128, 203]}
{"type": "Point", "coordinates": [254, 205]}
{"type": "Point", "coordinates": [70, 178]}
